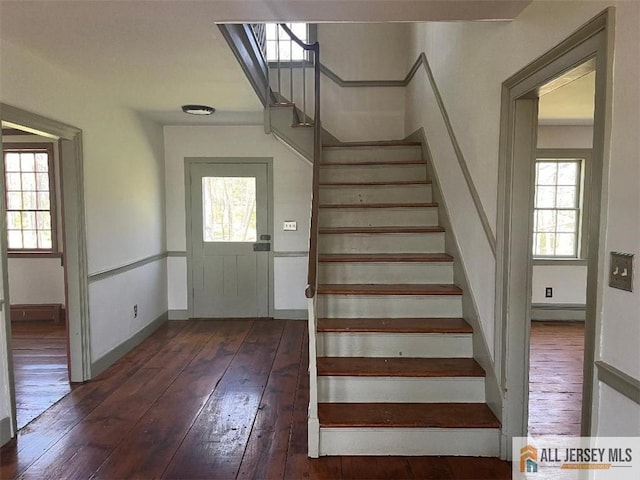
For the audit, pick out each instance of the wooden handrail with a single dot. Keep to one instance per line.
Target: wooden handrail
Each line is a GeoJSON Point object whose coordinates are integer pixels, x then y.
{"type": "Point", "coordinates": [310, 290]}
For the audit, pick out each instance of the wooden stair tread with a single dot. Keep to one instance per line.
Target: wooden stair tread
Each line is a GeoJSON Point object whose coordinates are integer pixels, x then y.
{"type": "Point", "coordinates": [394, 325]}
{"type": "Point", "coordinates": [382, 143]}
{"type": "Point", "coordinates": [407, 415]}
{"type": "Point", "coordinates": [357, 163]}
{"type": "Point", "coordinates": [378, 205]}
{"type": "Point", "coordinates": [385, 257]}
{"type": "Point", "coordinates": [399, 367]}
{"type": "Point", "coordinates": [376, 184]}
{"type": "Point", "coordinates": [391, 230]}
{"type": "Point", "coordinates": [389, 289]}
{"type": "Point", "coordinates": [282, 104]}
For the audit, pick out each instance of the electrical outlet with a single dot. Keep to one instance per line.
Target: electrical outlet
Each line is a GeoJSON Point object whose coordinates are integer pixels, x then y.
{"type": "Point", "coordinates": [548, 292]}
{"type": "Point", "coordinates": [135, 311]}
{"type": "Point", "coordinates": [290, 226]}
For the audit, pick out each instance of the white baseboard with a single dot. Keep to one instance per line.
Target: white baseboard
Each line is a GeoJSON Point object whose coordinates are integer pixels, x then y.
{"type": "Point", "coordinates": [558, 312]}
{"type": "Point", "coordinates": [5, 430]}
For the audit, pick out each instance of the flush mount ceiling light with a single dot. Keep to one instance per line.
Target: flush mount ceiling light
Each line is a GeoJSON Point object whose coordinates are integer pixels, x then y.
{"type": "Point", "coordinates": [198, 109]}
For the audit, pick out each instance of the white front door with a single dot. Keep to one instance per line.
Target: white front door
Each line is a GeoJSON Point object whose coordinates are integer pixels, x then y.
{"type": "Point", "coordinates": [230, 240]}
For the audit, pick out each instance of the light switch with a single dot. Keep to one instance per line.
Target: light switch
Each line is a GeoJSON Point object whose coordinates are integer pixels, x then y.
{"type": "Point", "coordinates": [621, 271]}
{"type": "Point", "coordinates": [290, 226]}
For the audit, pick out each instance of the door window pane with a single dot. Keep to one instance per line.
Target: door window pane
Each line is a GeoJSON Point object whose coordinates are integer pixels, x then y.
{"type": "Point", "coordinates": [229, 209]}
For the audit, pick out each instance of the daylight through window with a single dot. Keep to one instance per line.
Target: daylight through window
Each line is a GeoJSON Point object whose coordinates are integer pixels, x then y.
{"type": "Point", "coordinates": [557, 208]}
{"type": "Point", "coordinates": [229, 209]}
{"type": "Point", "coordinates": [30, 209]}
{"type": "Point", "coordinates": [280, 44]}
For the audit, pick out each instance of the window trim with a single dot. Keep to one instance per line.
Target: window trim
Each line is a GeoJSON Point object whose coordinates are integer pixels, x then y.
{"type": "Point", "coordinates": [312, 37]}
{"type": "Point", "coordinates": [585, 188]}
{"type": "Point", "coordinates": [54, 251]}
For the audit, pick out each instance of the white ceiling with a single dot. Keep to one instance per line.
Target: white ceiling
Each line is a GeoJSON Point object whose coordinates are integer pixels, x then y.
{"type": "Point", "coordinates": [158, 55]}
{"type": "Point", "coordinates": [571, 104]}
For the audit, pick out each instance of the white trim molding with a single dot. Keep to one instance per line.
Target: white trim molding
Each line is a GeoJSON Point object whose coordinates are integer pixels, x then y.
{"type": "Point", "coordinates": [618, 380]}
{"type": "Point", "coordinates": [112, 272]}
{"type": "Point", "coordinates": [568, 312]}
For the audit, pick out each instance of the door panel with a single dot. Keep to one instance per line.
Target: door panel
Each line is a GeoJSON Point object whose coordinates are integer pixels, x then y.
{"type": "Point", "coordinates": [229, 213]}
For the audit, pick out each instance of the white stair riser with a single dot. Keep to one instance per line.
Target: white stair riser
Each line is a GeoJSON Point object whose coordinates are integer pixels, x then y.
{"type": "Point", "coordinates": [385, 273]}
{"type": "Point", "coordinates": [378, 217]}
{"type": "Point", "coordinates": [372, 173]}
{"type": "Point", "coordinates": [476, 442]}
{"type": "Point", "coordinates": [398, 389]}
{"type": "Point", "coordinates": [420, 345]}
{"type": "Point", "coordinates": [371, 154]}
{"type": "Point", "coordinates": [382, 243]}
{"type": "Point", "coordinates": [376, 194]}
{"type": "Point", "coordinates": [389, 306]}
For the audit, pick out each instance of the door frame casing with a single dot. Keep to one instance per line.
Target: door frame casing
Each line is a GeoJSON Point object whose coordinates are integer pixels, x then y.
{"type": "Point", "coordinates": [73, 236]}
{"type": "Point", "coordinates": [594, 40]}
{"type": "Point", "coordinates": [188, 162]}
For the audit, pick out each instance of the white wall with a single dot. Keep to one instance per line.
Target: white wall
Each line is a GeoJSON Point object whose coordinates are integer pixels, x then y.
{"type": "Point", "coordinates": [124, 186]}
{"type": "Point", "coordinates": [568, 283]}
{"type": "Point", "coordinates": [112, 300]}
{"type": "Point", "coordinates": [36, 280]}
{"type": "Point", "coordinates": [565, 136]}
{"type": "Point", "coordinates": [290, 273]}
{"type": "Point", "coordinates": [470, 61]}
{"type": "Point", "coordinates": [375, 51]}
{"type": "Point", "coordinates": [620, 416]}
{"type": "Point", "coordinates": [366, 51]}
{"type": "Point", "coordinates": [292, 197]}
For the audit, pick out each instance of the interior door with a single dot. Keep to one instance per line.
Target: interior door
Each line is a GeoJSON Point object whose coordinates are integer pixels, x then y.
{"type": "Point", "coordinates": [230, 240]}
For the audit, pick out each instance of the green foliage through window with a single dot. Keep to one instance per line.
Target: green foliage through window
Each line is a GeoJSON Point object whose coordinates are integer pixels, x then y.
{"type": "Point", "coordinates": [229, 209]}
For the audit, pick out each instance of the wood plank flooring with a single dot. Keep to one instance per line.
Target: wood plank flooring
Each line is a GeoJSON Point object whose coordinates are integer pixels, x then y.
{"type": "Point", "coordinates": [204, 399]}
{"type": "Point", "coordinates": [555, 378]}
{"type": "Point", "coordinates": [40, 367]}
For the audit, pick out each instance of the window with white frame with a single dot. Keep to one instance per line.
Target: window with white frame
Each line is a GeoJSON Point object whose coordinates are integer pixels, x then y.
{"type": "Point", "coordinates": [280, 45]}
{"type": "Point", "coordinates": [558, 208]}
{"type": "Point", "coordinates": [30, 201]}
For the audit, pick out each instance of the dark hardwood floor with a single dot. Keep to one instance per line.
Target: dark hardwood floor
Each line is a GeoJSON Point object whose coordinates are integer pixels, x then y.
{"type": "Point", "coordinates": [555, 378]}
{"type": "Point", "coordinates": [40, 367]}
{"type": "Point", "coordinates": [204, 399]}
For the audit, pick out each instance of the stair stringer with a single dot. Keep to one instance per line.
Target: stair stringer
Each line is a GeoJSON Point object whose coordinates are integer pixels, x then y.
{"type": "Point", "coordinates": [493, 392]}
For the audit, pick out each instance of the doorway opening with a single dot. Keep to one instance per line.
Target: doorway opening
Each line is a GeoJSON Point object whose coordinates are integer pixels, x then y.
{"type": "Point", "coordinates": [36, 272]}
{"type": "Point", "coordinates": [562, 182]}
{"type": "Point", "coordinates": [71, 240]}
{"type": "Point", "coordinates": [588, 46]}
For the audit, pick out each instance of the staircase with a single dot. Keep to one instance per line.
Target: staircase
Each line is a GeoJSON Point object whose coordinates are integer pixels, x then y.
{"type": "Point", "coordinates": [395, 367]}
{"type": "Point", "coordinates": [391, 367]}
